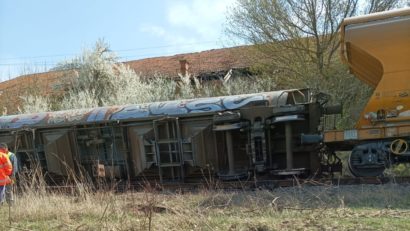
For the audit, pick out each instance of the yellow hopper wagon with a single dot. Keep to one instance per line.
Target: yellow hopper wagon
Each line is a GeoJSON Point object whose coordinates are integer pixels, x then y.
{"type": "Point", "coordinates": [376, 48]}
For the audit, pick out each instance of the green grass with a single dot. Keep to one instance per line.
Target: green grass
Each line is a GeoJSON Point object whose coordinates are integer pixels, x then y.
{"type": "Point", "coordinates": [367, 207]}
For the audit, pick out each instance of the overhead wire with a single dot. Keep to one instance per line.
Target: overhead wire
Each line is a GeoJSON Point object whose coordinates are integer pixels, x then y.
{"type": "Point", "coordinates": [25, 64]}
{"type": "Point", "coordinates": [116, 51]}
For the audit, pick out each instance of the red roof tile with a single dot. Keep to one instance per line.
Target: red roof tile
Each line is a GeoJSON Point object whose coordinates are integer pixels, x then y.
{"type": "Point", "coordinates": [199, 63]}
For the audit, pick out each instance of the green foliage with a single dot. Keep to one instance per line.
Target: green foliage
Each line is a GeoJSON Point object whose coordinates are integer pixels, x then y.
{"type": "Point", "coordinates": [402, 169]}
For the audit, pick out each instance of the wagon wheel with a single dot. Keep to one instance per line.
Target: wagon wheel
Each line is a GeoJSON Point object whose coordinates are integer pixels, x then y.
{"type": "Point", "coordinates": [367, 161]}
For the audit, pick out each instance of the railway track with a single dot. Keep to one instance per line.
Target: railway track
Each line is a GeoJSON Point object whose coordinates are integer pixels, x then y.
{"type": "Point", "coordinates": [231, 185]}
{"type": "Point", "coordinates": [294, 182]}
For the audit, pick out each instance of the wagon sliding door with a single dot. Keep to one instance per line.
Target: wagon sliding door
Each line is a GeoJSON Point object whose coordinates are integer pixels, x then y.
{"type": "Point", "coordinates": [58, 152]}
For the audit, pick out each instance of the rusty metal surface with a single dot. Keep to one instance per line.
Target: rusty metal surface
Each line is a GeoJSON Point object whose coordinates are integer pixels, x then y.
{"type": "Point", "coordinates": [138, 111]}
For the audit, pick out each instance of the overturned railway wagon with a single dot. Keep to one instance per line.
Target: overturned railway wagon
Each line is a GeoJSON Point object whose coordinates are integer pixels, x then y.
{"type": "Point", "coordinates": [273, 133]}
{"type": "Point", "coordinates": [231, 137]}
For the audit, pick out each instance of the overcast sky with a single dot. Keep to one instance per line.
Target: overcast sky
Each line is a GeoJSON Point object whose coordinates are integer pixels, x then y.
{"type": "Point", "coordinates": [37, 34]}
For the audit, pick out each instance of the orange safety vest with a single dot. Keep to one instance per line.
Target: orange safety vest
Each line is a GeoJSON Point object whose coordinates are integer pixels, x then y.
{"type": "Point", "coordinates": [5, 169]}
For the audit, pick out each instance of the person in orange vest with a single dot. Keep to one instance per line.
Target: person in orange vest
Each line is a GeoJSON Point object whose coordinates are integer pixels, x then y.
{"type": "Point", "coordinates": [5, 169]}
{"type": "Point", "coordinates": [9, 188]}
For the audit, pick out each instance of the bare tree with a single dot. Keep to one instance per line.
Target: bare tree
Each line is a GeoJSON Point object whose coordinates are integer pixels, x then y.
{"type": "Point", "coordinates": [297, 35]}
{"type": "Point", "coordinates": [382, 5]}
{"type": "Point", "coordinates": [297, 42]}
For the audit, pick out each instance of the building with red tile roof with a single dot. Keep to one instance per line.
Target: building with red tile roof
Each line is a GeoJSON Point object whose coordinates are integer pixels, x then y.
{"type": "Point", "coordinates": [204, 65]}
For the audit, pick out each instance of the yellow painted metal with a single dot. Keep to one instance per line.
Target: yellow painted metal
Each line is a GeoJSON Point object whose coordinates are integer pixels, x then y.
{"type": "Point", "coordinates": [374, 133]}
{"type": "Point", "coordinates": [377, 49]}
{"type": "Point", "coordinates": [399, 146]}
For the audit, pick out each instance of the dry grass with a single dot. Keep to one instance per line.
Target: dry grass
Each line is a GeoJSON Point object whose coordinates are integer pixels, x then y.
{"type": "Point", "coordinates": [300, 208]}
